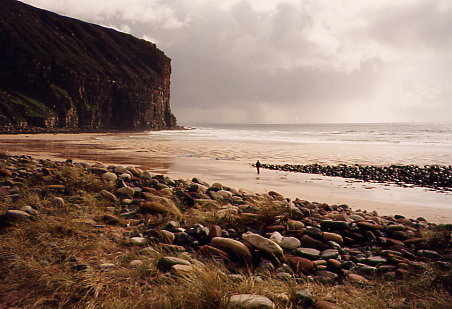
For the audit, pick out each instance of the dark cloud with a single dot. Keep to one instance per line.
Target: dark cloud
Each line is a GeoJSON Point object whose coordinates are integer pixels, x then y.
{"type": "Point", "coordinates": [294, 60]}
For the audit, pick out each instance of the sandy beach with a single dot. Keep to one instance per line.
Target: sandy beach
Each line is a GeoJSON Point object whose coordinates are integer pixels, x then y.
{"type": "Point", "coordinates": [229, 162]}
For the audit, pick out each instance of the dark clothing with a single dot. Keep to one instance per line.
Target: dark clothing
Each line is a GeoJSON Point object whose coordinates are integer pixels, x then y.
{"type": "Point", "coordinates": [258, 165]}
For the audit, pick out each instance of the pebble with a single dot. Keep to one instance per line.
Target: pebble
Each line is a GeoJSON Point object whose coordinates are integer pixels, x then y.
{"type": "Point", "coordinates": [213, 252]}
{"type": "Point", "coordinates": [146, 175]}
{"type": "Point", "coordinates": [153, 207]}
{"type": "Point", "coordinates": [290, 243]}
{"type": "Point", "coordinates": [182, 270]}
{"type": "Point", "coordinates": [299, 264]}
{"type": "Point", "coordinates": [109, 176]}
{"type": "Point", "coordinates": [295, 225]}
{"type": "Point", "coordinates": [136, 263]}
{"type": "Point", "coordinates": [30, 210]}
{"type": "Point", "coordinates": [309, 253]}
{"type": "Point", "coordinates": [250, 301]}
{"type": "Point", "coordinates": [215, 231]}
{"type": "Point", "coordinates": [303, 298]}
{"type": "Point", "coordinates": [369, 226]}
{"type": "Point", "coordinates": [167, 262]}
{"type": "Point", "coordinates": [235, 249]}
{"type": "Point", "coordinates": [15, 215]}
{"type": "Point", "coordinates": [138, 240]}
{"type": "Point", "coordinates": [125, 177]}
{"type": "Point", "coordinates": [334, 264]}
{"type": "Point", "coordinates": [375, 260]}
{"type": "Point", "coordinates": [329, 254]}
{"type": "Point", "coordinates": [332, 237]}
{"type": "Point", "coordinates": [430, 254]}
{"type": "Point", "coordinates": [126, 191]}
{"type": "Point", "coordinates": [356, 279]}
{"type": "Point", "coordinates": [326, 276]}
{"type": "Point", "coordinates": [225, 212]}
{"type": "Point", "coordinates": [263, 244]}
{"type": "Point", "coordinates": [108, 195]}
{"type": "Point", "coordinates": [57, 202]}
{"type": "Point", "coordinates": [334, 225]}
{"type": "Point", "coordinates": [356, 217]}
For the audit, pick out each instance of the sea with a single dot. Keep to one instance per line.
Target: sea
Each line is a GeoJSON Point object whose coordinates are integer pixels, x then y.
{"type": "Point", "coordinates": [224, 153]}
{"type": "Point", "coordinates": [358, 143]}
{"type": "Point", "coordinates": [419, 134]}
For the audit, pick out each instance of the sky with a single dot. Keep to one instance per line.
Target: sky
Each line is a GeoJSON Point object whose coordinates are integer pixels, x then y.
{"type": "Point", "coordinates": [292, 61]}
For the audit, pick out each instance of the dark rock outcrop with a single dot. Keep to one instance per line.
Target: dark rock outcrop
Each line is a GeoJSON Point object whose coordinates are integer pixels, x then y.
{"type": "Point", "coordinates": [62, 74]}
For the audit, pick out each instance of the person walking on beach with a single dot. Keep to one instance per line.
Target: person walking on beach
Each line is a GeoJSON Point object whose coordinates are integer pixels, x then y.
{"type": "Point", "coordinates": [258, 165]}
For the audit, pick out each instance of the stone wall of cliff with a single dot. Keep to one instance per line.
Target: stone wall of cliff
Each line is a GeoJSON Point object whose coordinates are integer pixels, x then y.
{"type": "Point", "coordinates": [62, 74]}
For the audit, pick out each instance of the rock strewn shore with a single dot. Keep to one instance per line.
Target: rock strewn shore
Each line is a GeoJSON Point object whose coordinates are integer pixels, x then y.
{"type": "Point", "coordinates": [193, 222]}
{"type": "Point", "coordinates": [431, 176]}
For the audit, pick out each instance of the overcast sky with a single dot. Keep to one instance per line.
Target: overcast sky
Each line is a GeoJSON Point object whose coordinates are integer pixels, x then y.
{"type": "Point", "coordinates": [293, 61]}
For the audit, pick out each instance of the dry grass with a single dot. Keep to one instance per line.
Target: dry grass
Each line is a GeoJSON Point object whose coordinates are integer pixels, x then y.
{"type": "Point", "coordinates": [42, 277]}
{"type": "Point", "coordinates": [37, 259]}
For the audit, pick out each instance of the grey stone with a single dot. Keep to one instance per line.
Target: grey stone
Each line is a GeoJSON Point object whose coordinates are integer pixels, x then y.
{"type": "Point", "coordinates": [138, 240]}
{"type": "Point", "coordinates": [165, 263]}
{"type": "Point", "coordinates": [283, 276]}
{"type": "Point", "coordinates": [309, 253]}
{"type": "Point", "coordinates": [263, 244]}
{"type": "Point", "coordinates": [329, 254]}
{"type": "Point", "coordinates": [375, 260]}
{"type": "Point", "coordinates": [326, 276]}
{"type": "Point", "coordinates": [250, 301]}
{"type": "Point", "coordinates": [303, 298]}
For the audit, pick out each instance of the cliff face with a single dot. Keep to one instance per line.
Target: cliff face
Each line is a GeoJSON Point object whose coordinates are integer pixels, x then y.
{"type": "Point", "coordinates": [62, 74]}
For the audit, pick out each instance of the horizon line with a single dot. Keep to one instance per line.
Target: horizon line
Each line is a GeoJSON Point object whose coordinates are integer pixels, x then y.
{"type": "Point", "coordinates": [303, 123]}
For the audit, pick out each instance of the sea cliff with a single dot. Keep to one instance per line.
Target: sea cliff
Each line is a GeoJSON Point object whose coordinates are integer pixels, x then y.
{"type": "Point", "coordinates": [59, 74]}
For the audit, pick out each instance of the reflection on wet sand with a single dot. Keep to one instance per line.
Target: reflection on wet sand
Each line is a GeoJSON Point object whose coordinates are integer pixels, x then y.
{"type": "Point", "coordinates": [61, 149]}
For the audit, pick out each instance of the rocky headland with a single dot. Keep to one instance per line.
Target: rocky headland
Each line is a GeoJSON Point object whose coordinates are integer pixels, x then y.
{"type": "Point", "coordinates": [59, 74]}
{"type": "Point", "coordinates": [81, 235]}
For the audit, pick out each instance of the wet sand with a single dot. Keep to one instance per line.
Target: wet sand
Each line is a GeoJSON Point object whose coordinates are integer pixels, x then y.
{"type": "Point", "coordinates": [230, 164]}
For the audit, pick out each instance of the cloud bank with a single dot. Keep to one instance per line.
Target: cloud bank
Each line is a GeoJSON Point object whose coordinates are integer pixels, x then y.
{"type": "Point", "coordinates": [291, 61]}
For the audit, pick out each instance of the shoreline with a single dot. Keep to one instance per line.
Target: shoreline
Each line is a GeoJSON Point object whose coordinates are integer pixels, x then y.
{"type": "Point", "coordinates": [178, 159]}
{"type": "Point", "coordinates": [39, 130]}
{"type": "Point", "coordinates": [315, 188]}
